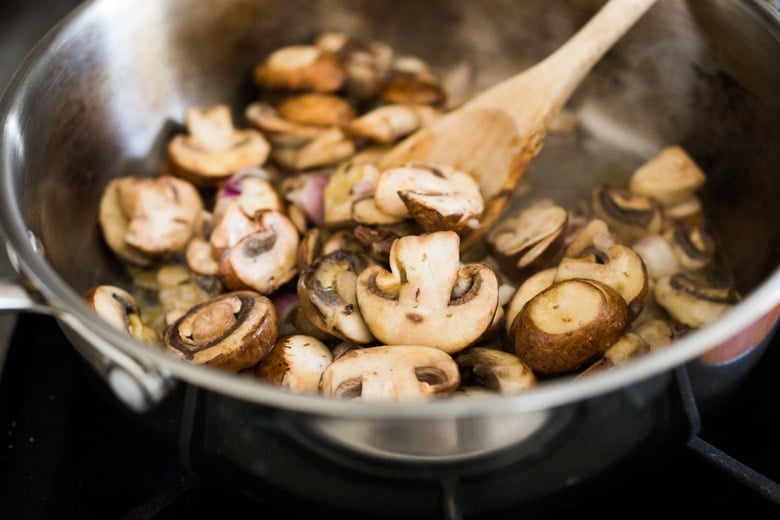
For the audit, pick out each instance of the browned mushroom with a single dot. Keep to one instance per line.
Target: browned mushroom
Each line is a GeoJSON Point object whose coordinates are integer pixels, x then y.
{"type": "Point", "coordinates": [569, 323]}
{"type": "Point", "coordinates": [669, 177]}
{"type": "Point", "coordinates": [143, 219]}
{"type": "Point", "coordinates": [495, 369]}
{"type": "Point", "coordinates": [412, 82]}
{"type": "Point", "coordinates": [427, 297]}
{"type": "Point", "coordinates": [367, 62]}
{"type": "Point", "coordinates": [296, 363]}
{"type": "Point", "coordinates": [119, 308]}
{"type": "Point", "coordinates": [316, 109]}
{"type": "Point", "coordinates": [265, 259]}
{"type": "Point", "coordinates": [326, 289]}
{"type": "Point", "coordinates": [692, 300]}
{"type": "Point", "coordinates": [300, 67]}
{"type": "Point", "coordinates": [397, 373]}
{"type": "Point", "coordinates": [529, 239]}
{"type": "Point", "coordinates": [438, 196]}
{"type": "Point", "coordinates": [232, 331]}
{"type": "Point", "coordinates": [213, 149]}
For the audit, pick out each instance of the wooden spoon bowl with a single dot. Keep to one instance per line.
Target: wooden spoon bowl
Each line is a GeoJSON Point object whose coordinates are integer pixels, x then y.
{"type": "Point", "coordinates": [495, 135]}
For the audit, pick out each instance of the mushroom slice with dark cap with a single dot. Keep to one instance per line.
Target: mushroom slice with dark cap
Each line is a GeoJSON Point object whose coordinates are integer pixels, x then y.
{"type": "Point", "coordinates": [569, 323]}
{"type": "Point", "coordinates": [263, 260]}
{"type": "Point", "coordinates": [213, 149]}
{"type": "Point", "coordinates": [692, 300]}
{"type": "Point", "coordinates": [326, 289]}
{"type": "Point", "coordinates": [615, 264]}
{"type": "Point", "coordinates": [693, 246]}
{"type": "Point", "coordinates": [528, 239]}
{"type": "Point", "coordinates": [232, 331]}
{"type": "Point", "coordinates": [119, 308]}
{"type": "Point", "coordinates": [391, 373]}
{"type": "Point", "coordinates": [296, 363]}
{"type": "Point", "coordinates": [495, 369]}
{"type": "Point", "coordinates": [629, 215]}
{"type": "Point", "coordinates": [438, 196]}
{"type": "Point", "coordinates": [367, 62]}
{"type": "Point", "coordinates": [428, 297]}
{"type": "Point", "coordinates": [143, 219]}
{"type": "Point", "coordinates": [301, 68]}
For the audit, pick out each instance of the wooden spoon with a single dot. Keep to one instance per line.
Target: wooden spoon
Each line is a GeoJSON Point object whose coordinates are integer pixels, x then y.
{"type": "Point", "coordinates": [495, 135]}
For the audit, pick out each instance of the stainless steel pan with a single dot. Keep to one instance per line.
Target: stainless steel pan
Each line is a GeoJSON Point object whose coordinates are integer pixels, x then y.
{"type": "Point", "coordinates": [102, 92]}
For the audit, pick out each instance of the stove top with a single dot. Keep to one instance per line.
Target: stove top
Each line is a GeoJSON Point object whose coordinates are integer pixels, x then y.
{"type": "Point", "coordinates": [69, 450]}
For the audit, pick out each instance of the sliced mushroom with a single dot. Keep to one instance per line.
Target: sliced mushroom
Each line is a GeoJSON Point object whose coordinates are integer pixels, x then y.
{"type": "Point", "coordinates": [315, 109]}
{"type": "Point", "coordinates": [348, 183]}
{"type": "Point", "coordinates": [397, 373]}
{"type": "Point", "coordinates": [427, 297]}
{"type": "Point", "coordinates": [179, 289]}
{"type": "Point", "coordinates": [586, 236]}
{"type": "Point", "coordinates": [618, 266]}
{"type": "Point", "coordinates": [627, 347]}
{"type": "Point", "coordinates": [329, 147]}
{"type": "Point", "coordinates": [263, 260]}
{"type": "Point", "coordinates": [200, 258]}
{"type": "Point", "coordinates": [367, 63]}
{"type": "Point", "coordinates": [300, 67]}
{"type": "Point", "coordinates": [280, 131]}
{"type": "Point", "coordinates": [693, 302]}
{"type": "Point", "coordinates": [693, 247]}
{"type": "Point", "coordinates": [378, 240]}
{"type": "Point", "coordinates": [389, 123]}
{"type": "Point", "coordinates": [669, 177]}
{"type": "Point", "coordinates": [296, 363]}
{"type": "Point", "coordinates": [327, 291]}
{"type": "Point", "coordinates": [656, 332]}
{"type": "Point", "coordinates": [231, 226]}
{"type": "Point", "coordinates": [530, 287]}
{"type": "Point", "coordinates": [688, 214]}
{"type": "Point", "coordinates": [528, 239]}
{"type": "Point", "coordinates": [495, 369]}
{"type": "Point", "coordinates": [629, 215]}
{"type": "Point", "coordinates": [214, 149]}
{"type": "Point", "coordinates": [438, 196]}
{"type": "Point", "coordinates": [232, 331]}
{"type": "Point", "coordinates": [365, 212]}
{"type": "Point", "coordinates": [119, 308]}
{"type": "Point", "coordinates": [147, 218]}
{"type": "Point", "coordinates": [568, 324]}
{"type": "Point", "coordinates": [250, 191]}
{"type": "Point", "coordinates": [412, 82]}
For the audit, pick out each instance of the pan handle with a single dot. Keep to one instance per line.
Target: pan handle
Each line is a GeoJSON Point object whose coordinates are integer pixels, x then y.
{"type": "Point", "coordinates": [137, 384]}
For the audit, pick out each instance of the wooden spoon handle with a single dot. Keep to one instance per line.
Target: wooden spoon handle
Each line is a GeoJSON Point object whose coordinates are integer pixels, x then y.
{"type": "Point", "coordinates": [556, 77]}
